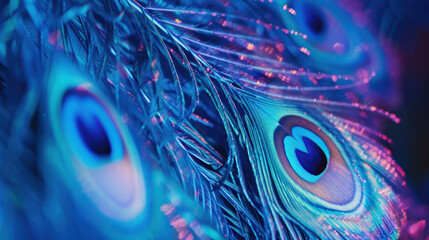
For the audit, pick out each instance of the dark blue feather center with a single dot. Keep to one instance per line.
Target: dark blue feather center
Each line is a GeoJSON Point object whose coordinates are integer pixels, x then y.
{"type": "Point", "coordinates": [315, 161]}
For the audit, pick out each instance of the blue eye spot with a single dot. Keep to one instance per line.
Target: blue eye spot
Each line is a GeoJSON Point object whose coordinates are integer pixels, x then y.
{"type": "Point", "coordinates": [314, 20]}
{"type": "Point", "coordinates": [315, 161]}
{"type": "Point", "coordinates": [90, 130]}
{"type": "Point", "coordinates": [307, 153]}
{"type": "Point", "coordinates": [93, 134]}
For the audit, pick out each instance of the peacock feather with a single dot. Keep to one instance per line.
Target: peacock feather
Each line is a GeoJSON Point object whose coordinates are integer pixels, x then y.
{"type": "Point", "coordinates": [261, 111]}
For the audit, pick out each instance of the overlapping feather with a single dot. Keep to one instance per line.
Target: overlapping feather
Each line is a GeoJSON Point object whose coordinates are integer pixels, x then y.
{"type": "Point", "coordinates": [202, 80]}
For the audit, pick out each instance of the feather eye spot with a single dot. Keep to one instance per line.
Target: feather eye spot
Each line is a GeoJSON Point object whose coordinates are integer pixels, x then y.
{"type": "Point", "coordinates": [314, 20]}
{"type": "Point", "coordinates": [312, 159]}
{"type": "Point", "coordinates": [307, 153]}
{"type": "Point", "coordinates": [90, 130]}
